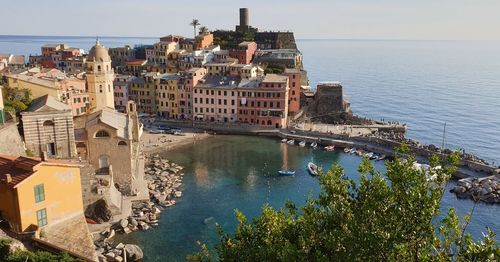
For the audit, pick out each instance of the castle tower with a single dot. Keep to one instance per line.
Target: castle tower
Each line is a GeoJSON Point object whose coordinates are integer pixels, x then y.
{"type": "Point", "coordinates": [100, 78]}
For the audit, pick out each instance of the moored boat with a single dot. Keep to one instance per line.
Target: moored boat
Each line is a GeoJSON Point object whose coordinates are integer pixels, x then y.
{"type": "Point", "coordinates": [381, 157]}
{"type": "Point", "coordinates": [314, 145]}
{"type": "Point", "coordinates": [330, 148]}
{"type": "Point", "coordinates": [312, 168]}
{"type": "Point", "coordinates": [283, 140]}
{"type": "Point", "coordinates": [347, 150]}
{"type": "Point", "coordinates": [287, 172]}
{"type": "Point", "coordinates": [291, 142]}
{"type": "Point", "coordinates": [302, 143]}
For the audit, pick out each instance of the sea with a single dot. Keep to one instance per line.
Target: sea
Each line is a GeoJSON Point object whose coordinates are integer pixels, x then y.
{"type": "Point", "coordinates": [426, 84]}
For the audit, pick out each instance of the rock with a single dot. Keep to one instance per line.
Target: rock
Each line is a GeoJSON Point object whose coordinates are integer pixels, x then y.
{"type": "Point", "coordinates": [111, 234]}
{"type": "Point", "coordinates": [156, 210]}
{"type": "Point", "coordinates": [178, 193]}
{"type": "Point", "coordinates": [99, 211]}
{"type": "Point", "coordinates": [133, 252]}
{"type": "Point", "coordinates": [126, 230]}
{"type": "Point", "coordinates": [123, 222]}
{"type": "Point", "coordinates": [133, 222]}
{"type": "Point", "coordinates": [118, 259]}
{"type": "Point", "coordinates": [110, 256]}
{"type": "Point", "coordinates": [120, 246]}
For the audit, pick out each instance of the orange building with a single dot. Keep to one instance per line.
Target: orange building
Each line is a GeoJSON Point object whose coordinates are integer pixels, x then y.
{"type": "Point", "coordinates": [294, 77]}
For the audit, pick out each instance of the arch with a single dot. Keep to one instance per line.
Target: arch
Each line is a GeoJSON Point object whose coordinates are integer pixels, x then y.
{"type": "Point", "coordinates": [48, 123]}
{"type": "Point", "coordinates": [269, 122]}
{"type": "Point", "coordinates": [99, 68]}
{"type": "Point", "coordinates": [122, 143]}
{"type": "Point", "coordinates": [102, 133]}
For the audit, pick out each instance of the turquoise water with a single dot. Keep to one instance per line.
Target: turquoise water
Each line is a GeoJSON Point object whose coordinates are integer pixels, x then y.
{"type": "Point", "coordinates": [225, 173]}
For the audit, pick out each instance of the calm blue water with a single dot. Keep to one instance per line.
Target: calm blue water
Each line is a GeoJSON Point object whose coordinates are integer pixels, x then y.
{"type": "Point", "coordinates": [422, 83]}
{"type": "Point", "coordinates": [225, 173]}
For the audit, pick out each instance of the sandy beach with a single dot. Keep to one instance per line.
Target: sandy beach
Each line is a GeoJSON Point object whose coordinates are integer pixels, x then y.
{"type": "Point", "coordinates": [155, 143]}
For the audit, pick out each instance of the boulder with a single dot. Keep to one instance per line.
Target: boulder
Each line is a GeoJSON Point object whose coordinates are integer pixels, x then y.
{"type": "Point", "coordinates": [118, 259]}
{"type": "Point", "coordinates": [110, 256]}
{"type": "Point", "coordinates": [120, 246]}
{"type": "Point", "coordinates": [123, 222]}
{"type": "Point", "coordinates": [133, 252]}
{"type": "Point", "coordinates": [133, 222]}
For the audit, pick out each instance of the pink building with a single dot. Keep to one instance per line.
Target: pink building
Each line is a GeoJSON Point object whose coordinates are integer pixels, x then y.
{"type": "Point", "coordinates": [244, 53]}
{"type": "Point", "coordinates": [294, 77]}
{"type": "Point", "coordinates": [215, 99]}
{"type": "Point", "coordinates": [121, 86]}
{"type": "Point", "coordinates": [264, 101]}
{"type": "Point", "coordinates": [189, 80]}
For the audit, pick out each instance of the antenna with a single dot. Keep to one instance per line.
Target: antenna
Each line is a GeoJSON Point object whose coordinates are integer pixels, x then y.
{"type": "Point", "coordinates": [444, 136]}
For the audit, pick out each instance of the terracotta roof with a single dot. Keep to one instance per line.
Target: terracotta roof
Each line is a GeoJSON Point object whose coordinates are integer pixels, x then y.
{"type": "Point", "coordinates": [19, 168]}
{"type": "Point", "coordinates": [137, 62]}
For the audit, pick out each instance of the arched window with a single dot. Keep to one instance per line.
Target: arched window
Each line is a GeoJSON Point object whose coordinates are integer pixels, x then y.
{"type": "Point", "coordinates": [48, 123]}
{"type": "Point", "coordinates": [122, 143]}
{"type": "Point", "coordinates": [102, 133]}
{"type": "Point", "coordinates": [269, 122]}
{"type": "Point", "coordinates": [99, 68]}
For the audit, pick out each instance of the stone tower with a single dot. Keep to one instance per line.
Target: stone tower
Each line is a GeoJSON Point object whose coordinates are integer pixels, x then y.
{"type": "Point", "coordinates": [100, 78]}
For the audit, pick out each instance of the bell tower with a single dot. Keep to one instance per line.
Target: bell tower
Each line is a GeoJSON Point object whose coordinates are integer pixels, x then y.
{"type": "Point", "coordinates": [100, 77]}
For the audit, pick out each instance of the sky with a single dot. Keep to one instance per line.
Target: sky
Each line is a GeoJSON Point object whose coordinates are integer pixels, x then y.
{"type": "Point", "coordinates": [308, 19]}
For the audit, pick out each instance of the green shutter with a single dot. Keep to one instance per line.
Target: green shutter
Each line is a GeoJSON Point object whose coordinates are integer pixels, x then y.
{"type": "Point", "coordinates": [41, 217]}
{"type": "Point", "coordinates": [39, 193]}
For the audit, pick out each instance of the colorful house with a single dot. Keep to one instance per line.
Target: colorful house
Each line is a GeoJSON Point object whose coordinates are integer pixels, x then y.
{"type": "Point", "coordinates": [38, 193]}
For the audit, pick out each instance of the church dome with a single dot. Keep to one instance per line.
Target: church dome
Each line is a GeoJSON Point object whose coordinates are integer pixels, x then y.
{"type": "Point", "coordinates": [98, 53]}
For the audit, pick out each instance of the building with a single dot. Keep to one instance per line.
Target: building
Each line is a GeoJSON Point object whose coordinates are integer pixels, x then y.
{"type": "Point", "coordinates": [329, 99]}
{"type": "Point", "coordinates": [166, 95]}
{"type": "Point", "coordinates": [120, 55]}
{"type": "Point", "coordinates": [67, 89]}
{"type": "Point", "coordinates": [143, 92]}
{"type": "Point", "coordinates": [294, 79]}
{"type": "Point", "coordinates": [136, 66]}
{"type": "Point", "coordinates": [121, 87]}
{"type": "Point", "coordinates": [218, 69]}
{"type": "Point", "coordinates": [162, 49]}
{"type": "Point", "coordinates": [244, 52]}
{"type": "Point", "coordinates": [12, 61]}
{"type": "Point", "coordinates": [264, 101]}
{"type": "Point", "coordinates": [190, 79]}
{"type": "Point", "coordinates": [215, 99]}
{"type": "Point", "coordinates": [109, 141]}
{"type": "Point", "coordinates": [281, 58]}
{"type": "Point", "coordinates": [204, 40]}
{"type": "Point", "coordinates": [48, 128]}
{"type": "Point", "coordinates": [100, 77]}
{"type": "Point", "coordinates": [44, 199]}
{"type": "Point", "coordinates": [244, 25]}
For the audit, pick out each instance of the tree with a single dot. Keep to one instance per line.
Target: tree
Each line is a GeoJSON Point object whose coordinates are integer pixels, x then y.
{"type": "Point", "coordinates": [389, 217]}
{"type": "Point", "coordinates": [195, 23]}
{"type": "Point", "coordinates": [203, 30]}
{"type": "Point", "coordinates": [15, 99]}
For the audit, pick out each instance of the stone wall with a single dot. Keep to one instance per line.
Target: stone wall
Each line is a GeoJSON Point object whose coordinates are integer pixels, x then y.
{"type": "Point", "coordinates": [11, 142]}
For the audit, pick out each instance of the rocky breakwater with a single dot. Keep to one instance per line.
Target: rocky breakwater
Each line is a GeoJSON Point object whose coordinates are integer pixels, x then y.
{"type": "Point", "coordinates": [164, 180]}
{"type": "Point", "coordinates": [479, 189]}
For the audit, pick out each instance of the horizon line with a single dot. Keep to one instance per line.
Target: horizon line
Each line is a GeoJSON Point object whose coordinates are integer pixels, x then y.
{"type": "Point", "coordinates": [299, 39]}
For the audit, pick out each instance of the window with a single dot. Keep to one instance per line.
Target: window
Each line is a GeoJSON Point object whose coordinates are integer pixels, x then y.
{"type": "Point", "coordinates": [39, 193]}
{"type": "Point", "coordinates": [101, 133]}
{"type": "Point", "coordinates": [48, 123]}
{"type": "Point", "coordinates": [122, 143]}
{"type": "Point", "coordinates": [41, 217]}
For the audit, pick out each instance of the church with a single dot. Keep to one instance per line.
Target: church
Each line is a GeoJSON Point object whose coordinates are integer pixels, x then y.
{"type": "Point", "coordinates": [107, 139]}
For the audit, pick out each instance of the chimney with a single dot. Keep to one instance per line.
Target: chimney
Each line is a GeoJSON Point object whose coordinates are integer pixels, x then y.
{"type": "Point", "coordinates": [5, 178]}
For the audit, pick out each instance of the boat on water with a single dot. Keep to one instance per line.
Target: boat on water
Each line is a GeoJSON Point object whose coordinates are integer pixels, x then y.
{"type": "Point", "coordinates": [330, 148]}
{"type": "Point", "coordinates": [314, 145]}
{"type": "Point", "coordinates": [302, 143]}
{"type": "Point", "coordinates": [368, 155]}
{"type": "Point", "coordinates": [291, 142]}
{"type": "Point", "coordinates": [352, 151]}
{"type": "Point", "coordinates": [312, 168]}
{"type": "Point", "coordinates": [381, 157]}
{"type": "Point", "coordinates": [287, 172]}
{"type": "Point", "coordinates": [347, 150]}
{"type": "Point", "coordinates": [283, 140]}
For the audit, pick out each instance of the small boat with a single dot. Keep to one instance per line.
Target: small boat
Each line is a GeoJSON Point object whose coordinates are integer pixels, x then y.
{"type": "Point", "coordinates": [368, 155]}
{"type": "Point", "coordinates": [302, 143]}
{"type": "Point", "coordinates": [347, 150]}
{"type": "Point", "coordinates": [352, 151]}
{"type": "Point", "coordinates": [288, 172]}
{"type": "Point", "coordinates": [291, 142]}
{"type": "Point", "coordinates": [283, 140]}
{"type": "Point", "coordinates": [381, 157]}
{"type": "Point", "coordinates": [360, 152]}
{"type": "Point", "coordinates": [314, 145]}
{"type": "Point", "coordinates": [330, 148]}
{"type": "Point", "coordinates": [374, 157]}
{"type": "Point", "coordinates": [312, 168]}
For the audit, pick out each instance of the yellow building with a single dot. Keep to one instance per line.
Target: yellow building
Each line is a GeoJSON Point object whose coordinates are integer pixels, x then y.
{"type": "Point", "coordinates": [166, 96]}
{"type": "Point", "coordinates": [35, 194]}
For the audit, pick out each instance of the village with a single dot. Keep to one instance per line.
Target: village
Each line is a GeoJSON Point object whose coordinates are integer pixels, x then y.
{"type": "Point", "coordinates": [80, 132]}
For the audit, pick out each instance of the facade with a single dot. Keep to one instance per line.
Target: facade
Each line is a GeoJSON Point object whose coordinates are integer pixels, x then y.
{"type": "Point", "coordinates": [329, 99]}
{"type": "Point", "coordinates": [218, 69]}
{"type": "Point", "coordinates": [109, 141]}
{"type": "Point", "coordinates": [2, 114]}
{"type": "Point", "coordinates": [285, 58]}
{"type": "Point", "coordinates": [166, 95]}
{"type": "Point", "coordinates": [244, 52]}
{"type": "Point", "coordinates": [12, 61]}
{"type": "Point", "coordinates": [294, 78]}
{"type": "Point", "coordinates": [100, 77]}
{"type": "Point", "coordinates": [121, 87]}
{"type": "Point", "coordinates": [215, 99]}
{"type": "Point", "coordinates": [190, 79]}
{"type": "Point", "coordinates": [162, 49]}
{"type": "Point", "coordinates": [264, 101]}
{"type": "Point", "coordinates": [36, 194]}
{"type": "Point", "coordinates": [204, 40]}
{"type": "Point", "coordinates": [48, 128]}
{"type": "Point", "coordinates": [120, 55]}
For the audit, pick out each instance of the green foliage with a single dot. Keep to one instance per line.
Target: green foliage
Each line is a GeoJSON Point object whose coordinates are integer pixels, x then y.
{"type": "Point", "coordinates": [28, 256]}
{"type": "Point", "coordinates": [16, 100]}
{"type": "Point", "coordinates": [384, 217]}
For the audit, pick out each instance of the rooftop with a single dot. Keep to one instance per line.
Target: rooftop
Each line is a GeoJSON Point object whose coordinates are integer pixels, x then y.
{"type": "Point", "coordinates": [218, 82]}
{"type": "Point", "coordinates": [47, 103]}
{"type": "Point", "coordinates": [273, 78]}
